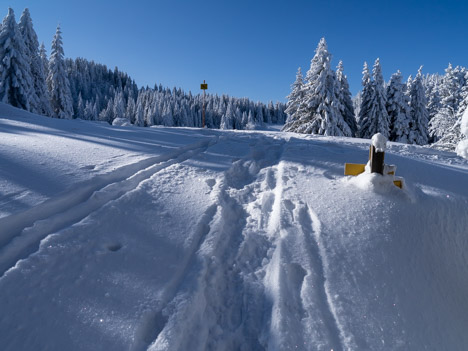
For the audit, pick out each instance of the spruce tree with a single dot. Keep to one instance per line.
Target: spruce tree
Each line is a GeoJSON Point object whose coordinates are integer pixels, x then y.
{"type": "Point", "coordinates": [16, 82]}
{"type": "Point", "coordinates": [107, 114]}
{"type": "Point", "coordinates": [419, 115]}
{"type": "Point", "coordinates": [319, 109]}
{"type": "Point", "coordinates": [131, 109]}
{"type": "Point", "coordinates": [44, 61]}
{"type": "Point", "coordinates": [40, 96]}
{"type": "Point", "coordinates": [295, 98]}
{"type": "Point", "coordinates": [373, 114]}
{"type": "Point", "coordinates": [344, 98]}
{"type": "Point", "coordinates": [227, 120]}
{"type": "Point", "coordinates": [398, 109]}
{"type": "Point", "coordinates": [57, 80]}
{"type": "Point", "coordinates": [119, 106]}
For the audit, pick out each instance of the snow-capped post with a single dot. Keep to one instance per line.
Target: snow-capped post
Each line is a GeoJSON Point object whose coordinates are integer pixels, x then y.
{"type": "Point", "coordinates": [203, 86]}
{"type": "Point", "coordinates": [376, 162]}
{"type": "Point", "coordinates": [377, 153]}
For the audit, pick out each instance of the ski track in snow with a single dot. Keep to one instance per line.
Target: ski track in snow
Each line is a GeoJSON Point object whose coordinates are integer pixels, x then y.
{"type": "Point", "coordinates": [256, 278]}
{"type": "Point", "coordinates": [21, 234]}
{"type": "Point", "coordinates": [222, 294]}
{"type": "Point", "coordinates": [302, 314]}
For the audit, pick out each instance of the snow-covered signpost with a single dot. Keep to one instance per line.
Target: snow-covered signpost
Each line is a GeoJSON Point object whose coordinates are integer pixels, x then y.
{"type": "Point", "coordinates": [376, 162]}
{"type": "Point", "coordinates": [203, 86]}
{"type": "Point", "coordinates": [377, 153]}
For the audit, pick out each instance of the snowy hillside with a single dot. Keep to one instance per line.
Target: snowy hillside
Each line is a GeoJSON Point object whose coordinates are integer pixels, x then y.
{"type": "Point", "coordinates": [126, 238]}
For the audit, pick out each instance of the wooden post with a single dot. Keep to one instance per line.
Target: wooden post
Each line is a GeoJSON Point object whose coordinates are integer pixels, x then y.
{"type": "Point", "coordinates": [376, 160]}
{"type": "Point", "coordinates": [203, 86]}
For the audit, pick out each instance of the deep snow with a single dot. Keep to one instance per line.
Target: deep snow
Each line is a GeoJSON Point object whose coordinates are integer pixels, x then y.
{"type": "Point", "coordinates": [127, 238]}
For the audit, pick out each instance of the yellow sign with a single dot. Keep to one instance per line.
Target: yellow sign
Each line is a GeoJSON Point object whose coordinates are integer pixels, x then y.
{"type": "Point", "coordinates": [203, 86]}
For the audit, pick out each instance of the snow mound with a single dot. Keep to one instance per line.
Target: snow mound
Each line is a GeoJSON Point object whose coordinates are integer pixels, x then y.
{"type": "Point", "coordinates": [123, 122]}
{"type": "Point", "coordinates": [374, 182]}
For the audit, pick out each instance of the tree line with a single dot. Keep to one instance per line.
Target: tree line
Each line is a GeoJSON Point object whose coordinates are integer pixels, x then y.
{"type": "Point", "coordinates": [426, 109]}
{"type": "Point", "coordinates": [66, 88]}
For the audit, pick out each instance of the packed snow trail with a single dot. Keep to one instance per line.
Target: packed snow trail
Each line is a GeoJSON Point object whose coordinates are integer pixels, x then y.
{"type": "Point", "coordinates": [238, 241]}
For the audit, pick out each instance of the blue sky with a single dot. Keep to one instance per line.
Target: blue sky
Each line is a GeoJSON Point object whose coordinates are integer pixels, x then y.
{"type": "Point", "coordinates": [249, 48]}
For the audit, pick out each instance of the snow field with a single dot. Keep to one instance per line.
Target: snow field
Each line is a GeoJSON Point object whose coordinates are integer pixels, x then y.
{"type": "Point", "coordinates": [212, 240]}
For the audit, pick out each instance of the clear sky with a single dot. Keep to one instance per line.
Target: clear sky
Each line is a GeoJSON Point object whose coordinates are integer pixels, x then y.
{"type": "Point", "coordinates": [250, 48]}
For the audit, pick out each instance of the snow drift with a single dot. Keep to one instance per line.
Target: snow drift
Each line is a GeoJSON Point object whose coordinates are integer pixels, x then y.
{"type": "Point", "coordinates": [127, 238]}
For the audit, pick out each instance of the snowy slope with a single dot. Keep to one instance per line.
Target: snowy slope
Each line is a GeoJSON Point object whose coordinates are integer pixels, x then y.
{"type": "Point", "coordinates": [126, 238]}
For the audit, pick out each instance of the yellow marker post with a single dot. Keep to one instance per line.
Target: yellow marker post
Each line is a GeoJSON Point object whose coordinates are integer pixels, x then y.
{"type": "Point", "coordinates": [203, 87]}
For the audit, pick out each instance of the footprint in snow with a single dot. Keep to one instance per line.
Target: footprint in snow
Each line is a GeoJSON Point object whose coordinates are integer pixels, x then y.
{"type": "Point", "coordinates": [114, 247]}
{"type": "Point", "coordinates": [210, 182]}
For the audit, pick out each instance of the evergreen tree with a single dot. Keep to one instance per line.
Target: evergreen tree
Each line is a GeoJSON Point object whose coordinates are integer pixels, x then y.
{"type": "Point", "coordinates": [90, 111]}
{"type": "Point", "coordinates": [107, 114]}
{"type": "Point", "coordinates": [373, 114]}
{"type": "Point", "coordinates": [431, 84]}
{"type": "Point", "coordinates": [16, 82]}
{"type": "Point", "coordinates": [80, 108]}
{"type": "Point", "coordinates": [295, 97]}
{"type": "Point", "coordinates": [398, 109]}
{"type": "Point", "coordinates": [441, 124]}
{"type": "Point", "coordinates": [39, 97]}
{"type": "Point", "coordinates": [44, 61]}
{"type": "Point", "coordinates": [131, 109]}
{"type": "Point", "coordinates": [251, 123]}
{"type": "Point", "coordinates": [57, 80]}
{"type": "Point", "coordinates": [319, 109]}
{"type": "Point", "coordinates": [227, 121]}
{"type": "Point", "coordinates": [419, 115]}
{"type": "Point", "coordinates": [344, 97]}
{"type": "Point", "coordinates": [119, 107]}
{"type": "Point", "coordinates": [167, 118]}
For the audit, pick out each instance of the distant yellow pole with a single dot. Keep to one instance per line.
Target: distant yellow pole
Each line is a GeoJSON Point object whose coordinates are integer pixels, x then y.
{"type": "Point", "coordinates": [203, 86]}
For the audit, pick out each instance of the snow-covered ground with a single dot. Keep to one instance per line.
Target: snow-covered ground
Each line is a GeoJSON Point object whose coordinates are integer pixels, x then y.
{"type": "Point", "coordinates": [127, 238]}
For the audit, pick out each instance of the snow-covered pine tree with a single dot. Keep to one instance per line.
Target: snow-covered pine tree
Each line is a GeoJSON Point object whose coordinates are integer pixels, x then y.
{"type": "Point", "coordinates": [398, 109]}
{"type": "Point", "coordinates": [131, 109]}
{"type": "Point", "coordinates": [39, 97]}
{"type": "Point", "coordinates": [251, 123]}
{"type": "Point", "coordinates": [373, 114]}
{"type": "Point", "coordinates": [44, 61]}
{"type": "Point", "coordinates": [167, 118]}
{"type": "Point", "coordinates": [344, 97]}
{"type": "Point", "coordinates": [57, 80]}
{"type": "Point", "coordinates": [357, 100]}
{"type": "Point", "coordinates": [227, 120]}
{"type": "Point", "coordinates": [419, 115]}
{"type": "Point", "coordinates": [319, 109]}
{"type": "Point", "coordinates": [107, 114]}
{"type": "Point", "coordinates": [259, 114]}
{"type": "Point", "coordinates": [80, 108]}
{"type": "Point", "coordinates": [450, 130]}
{"type": "Point", "coordinates": [119, 106]}
{"type": "Point", "coordinates": [89, 111]}
{"type": "Point", "coordinates": [16, 82]}
{"type": "Point", "coordinates": [440, 129]}
{"type": "Point", "coordinates": [294, 98]}
{"type": "Point", "coordinates": [451, 87]}
{"type": "Point", "coordinates": [431, 83]}
{"type": "Point", "coordinates": [452, 91]}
